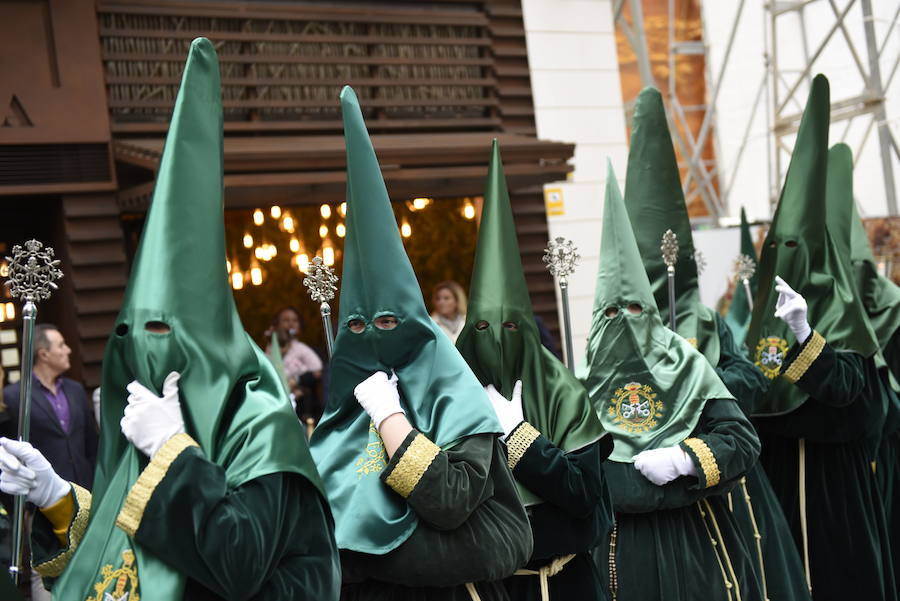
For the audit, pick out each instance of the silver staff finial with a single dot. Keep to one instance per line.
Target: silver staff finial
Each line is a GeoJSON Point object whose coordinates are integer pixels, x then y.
{"type": "Point", "coordinates": [561, 257]}
{"type": "Point", "coordinates": [33, 271]}
{"type": "Point", "coordinates": [744, 267]}
{"type": "Point", "coordinates": [700, 260]}
{"type": "Point", "coordinates": [321, 281]}
{"type": "Point", "coordinates": [669, 248]}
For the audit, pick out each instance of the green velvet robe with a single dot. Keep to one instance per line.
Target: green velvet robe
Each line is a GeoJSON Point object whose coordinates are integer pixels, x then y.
{"type": "Point", "coordinates": [472, 528]}
{"type": "Point", "coordinates": [270, 539]}
{"type": "Point", "coordinates": [663, 538]}
{"type": "Point", "coordinates": [849, 549]}
{"type": "Point", "coordinates": [753, 503]}
{"type": "Point", "coordinates": [887, 461]}
{"type": "Point", "coordinates": [575, 517]}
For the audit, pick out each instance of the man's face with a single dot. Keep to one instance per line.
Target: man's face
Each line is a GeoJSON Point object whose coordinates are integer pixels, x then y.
{"type": "Point", "coordinates": [289, 322]}
{"type": "Point", "coordinates": [56, 356]}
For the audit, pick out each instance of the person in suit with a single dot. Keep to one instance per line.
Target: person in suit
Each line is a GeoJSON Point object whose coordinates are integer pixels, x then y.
{"type": "Point", "coordinates": [63, 427]}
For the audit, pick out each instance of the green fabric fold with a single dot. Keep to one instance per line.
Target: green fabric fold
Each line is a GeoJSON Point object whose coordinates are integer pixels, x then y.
{"type": "Point", "coordinates": [647, 383]}
{"type": "Point", "coordinates": [500, 340]}
{"type": "Point", "coordinates": [441, 397]}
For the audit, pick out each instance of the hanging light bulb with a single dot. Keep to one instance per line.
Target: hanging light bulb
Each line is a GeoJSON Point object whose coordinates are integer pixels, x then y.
{"type": "Point", "coordinates": [248, 240]}
{"type": "Point", "coordinates": [275, 212]}
{"type": "Point", "coordinates": [273, 251]}
{"type": "Point", "coordinates": [468, 210]}
{"type": "Point", "coordinates": [237, 280]}
{"type": "Point", "coordinates": [342, 209]}
{"type": "Point", "coordinates": [420, 203]}
{"type": "Point", "coordinates": [10, 311]}
{"type": "Point", "coordinates": [4, 269]}
{"type": "Point", "coordinates": [227, 266]}
{"type": "Point", "coordinates": [259, 252]}
{"type": "Point", "coordinates": [258, 217]}
{"type": "Point", "coordinates": [325, 210]}
{"type": "Point", "coordinates": [294, 245]}
{"type": "Point", "coordinates": [303, 262]}
{"type": "Point", "coordinates": [340, 230]}
{"type": "Point", "coordinates": [323, 230]}
{"type": "Point", "coordinates": [287, 224]}
{"type": "Point", "coordinates": [328, 256]}
{"type": "Point", "coordinates": [256, 275]}
{"type": "Point", "coordinates": [405, 229]}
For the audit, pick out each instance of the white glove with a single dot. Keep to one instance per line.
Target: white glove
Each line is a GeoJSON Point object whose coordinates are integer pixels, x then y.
{"type": "Point", "coordinates": [664, 465]}
{"type": "Point", "coordinates": [791, 308]}
{"type": "Point", "coordinates": [25, 471]}
{"type": "Point", "coordinates": [509, 412]}
{"type": "Point", "coordinates": [150, 421]}
{"type": "Point", "coordinates": [378, 395]}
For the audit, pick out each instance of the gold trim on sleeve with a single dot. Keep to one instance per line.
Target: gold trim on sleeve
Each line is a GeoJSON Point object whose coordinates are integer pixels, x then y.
{"type": "Point", "coordinates": [132, 511]}
{"type": "Point", "coordinates": [707, 460]}
{"type": "Point", "coordinates": [55, 566]}
{"type": "Point", "coordinates": [520, 441]}
{"type": "Point", "coordinates": [413, 464]}
{"type": "Point", "coordinates": [807, 357]}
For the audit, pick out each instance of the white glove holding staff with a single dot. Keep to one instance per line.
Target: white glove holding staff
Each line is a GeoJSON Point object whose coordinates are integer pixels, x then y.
{"type": "Point", "coordinates": [509, 412]}
{"type": "Point", "coordinates": [25, 471]}
{"type": "Point", "coordinates": [791, 309]}
{"type": "Point", "coordinates": [379, 396]}
{"type": "Point", "coordinates": [664, 465]}
{"type": "Point", "coordinates": [150, 421]}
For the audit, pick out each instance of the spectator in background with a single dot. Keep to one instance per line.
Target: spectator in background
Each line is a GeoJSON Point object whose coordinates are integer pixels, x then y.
{"type": "Point", "coordinates": [448, 302]}
{"type": "Point", "coordinates": [302, 365]}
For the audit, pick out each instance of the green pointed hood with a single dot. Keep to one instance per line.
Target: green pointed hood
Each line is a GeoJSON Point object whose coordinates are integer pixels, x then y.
{"type": "Point", "coordinates": [274, 355]}
{"type": "Point", "coordinates": [231, 399]}
{"type": "Point", "coordinates": [648, 384]}
{"type": "Point", "coordinates": [442, 398]}
{"type": "Point", "coordinates": [800, 248]}
{"type": "Point", "coordinates": [738, 317]}
{"type": "Point", "coordinates": [655, 203]}
{"type": "Point", "coordinates": [554, 401]}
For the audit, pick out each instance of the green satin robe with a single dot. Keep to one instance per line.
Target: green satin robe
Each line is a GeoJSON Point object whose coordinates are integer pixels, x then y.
{"type": "Point", "coordinates": [472, 528]}
{"type": "Point", "coordinates": [840, 424]}
{"type": "Point", "coordinates": [269, 539]}
{"type": "Point", "coordinates": [887, 470]}
{"type": "Point", "coordinates": [663, 536]}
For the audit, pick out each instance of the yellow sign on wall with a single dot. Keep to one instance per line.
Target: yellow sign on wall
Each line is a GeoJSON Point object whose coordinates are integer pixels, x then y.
{"type": "Point", "coordinates": [553, 200]}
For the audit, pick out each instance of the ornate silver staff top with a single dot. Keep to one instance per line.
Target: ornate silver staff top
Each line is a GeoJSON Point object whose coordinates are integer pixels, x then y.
{"type": "Point", "coordinates": [33, 272]}
{"type": "Point", "coordinates": [700, 260]}
{"type": "Point", "coordinates": [321, 281]}
{"type": "Point", "coordinates": [561, 257]}
{"type": "Point", "coordinates": [744, 267]}
{"type": "Point", "coordinates": [669, 249]}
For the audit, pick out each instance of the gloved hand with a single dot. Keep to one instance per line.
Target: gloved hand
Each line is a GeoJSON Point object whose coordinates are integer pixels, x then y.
{"type": "Point", "coordinates": [150, 421]}
{"type": "Point", "coordinates": [664, 465]}
{"type": "Point", "coordinates": [509, 412]}
{"type": "Point", "coordinates": [25, 471]}
{"type": "Point", "coordinates": [791, 309]}
{"type": "Point", "coordinates": [378, 395]}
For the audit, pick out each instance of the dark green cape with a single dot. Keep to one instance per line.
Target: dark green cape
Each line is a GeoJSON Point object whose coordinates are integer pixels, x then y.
{"type": "Point", "coordinates": [648, 384]}
{"type": "Point", "coordinates": [554, 401]}
{"type": "Point", "coordinates": [231, 398]}
{"type": "Point", "coordinates": [738, 317]}
{"type": "Point", "coordinates": [442, 398]}
{"type": "Point", "coordinates": [800, 248]}
{"type": "Point", "coordinates": [655, 203]}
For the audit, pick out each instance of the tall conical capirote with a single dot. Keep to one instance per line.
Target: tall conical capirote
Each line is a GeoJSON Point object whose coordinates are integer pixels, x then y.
{"type": "Point", "coordinates": [655, 203]}
{"type": "Point", "coordinates": [500, 340]}
{"type": "Point", "coordinates": [441, 397]}
{"type": "Point", "coordinates": [231, 398]}
{"type": "Point", "coordinates": [800, 248]}
{"type": "Point", "coordinates": [647, 383]}
{"type": "Point", "coordinates": [738, 317]}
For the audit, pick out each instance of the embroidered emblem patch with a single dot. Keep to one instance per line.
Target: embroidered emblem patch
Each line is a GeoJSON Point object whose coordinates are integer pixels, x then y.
{"type": "Point", "coordinates": [770, 354]}
{"type": "Point", "coordinates": [124, 581]}
{"type": "Point", "coordinates": [375, 458]}
{"type": "Point", "coordinates": [635, 408]}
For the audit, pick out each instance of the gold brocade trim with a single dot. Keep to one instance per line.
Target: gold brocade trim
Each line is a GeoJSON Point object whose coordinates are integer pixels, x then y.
{"type": "Point", "coordinates": [807, 357]}
{"type": "Point", "coordinates": [707, 461]}
{"type": "Point", "coordinates": [54, 567]}
{"type": "Point", "coordinates": [132, 512]}
{"type": "Point", "coordinates": [517, 444]}
{"type": "Point", "coordinates": [412, 465]}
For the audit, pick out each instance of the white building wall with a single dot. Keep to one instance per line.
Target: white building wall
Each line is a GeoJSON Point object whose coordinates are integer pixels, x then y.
{"type": "Point", "coordinates": [577, 98]}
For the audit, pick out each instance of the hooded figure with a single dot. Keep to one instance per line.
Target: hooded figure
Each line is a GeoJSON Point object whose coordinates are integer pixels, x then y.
{"type": "Point", "coordinates": [552, 433]}
{"type": "Point", "coordinates": [823, 416]}
{"type": "Point", "coordinates": [738, 317]}
{"type": "Point", "coordinates": [407, 518]}
{"type": "Point", "coordinates": [229, 467]}
{"type": "Point", "coordinates": [679, 439]}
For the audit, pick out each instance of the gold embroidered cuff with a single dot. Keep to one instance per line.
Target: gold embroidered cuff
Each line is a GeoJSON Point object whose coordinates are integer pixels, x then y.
{"type": "Point", "coordinates": [707, 460]}
{"type": "Point", "coordinates": [55, 566]}
{"type": "Point", "coordinates": [412, 465]}
{"type": "Point", "coordinates": [516, 445]}
{"type": "Point", "coordinates": [132, 511]}
{"type": "Point", "coordinates": [807, 357]}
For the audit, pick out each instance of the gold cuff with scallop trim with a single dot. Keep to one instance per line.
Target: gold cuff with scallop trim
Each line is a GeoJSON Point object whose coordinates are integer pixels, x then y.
{"type": "Point", "coordinates": [55, 566]}
{"type": "Point", "coordinates": [412, 465]}
{"type": "Point", "coordinates": [132, 511]}
{"type": "Point", "coordinates": [519, 442]}
{"type": "Point", "coordinates": [807, 357]}
{"type": "Point", "coordinates": [708, 463]}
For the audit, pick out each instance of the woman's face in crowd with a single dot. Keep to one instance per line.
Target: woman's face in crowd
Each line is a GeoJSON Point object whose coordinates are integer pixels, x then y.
{"type": "Point", "coordinates": [289, 321]}
{"type": "Point", "coordinates": [445, 303]}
